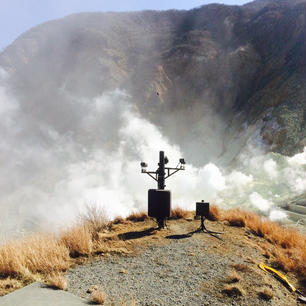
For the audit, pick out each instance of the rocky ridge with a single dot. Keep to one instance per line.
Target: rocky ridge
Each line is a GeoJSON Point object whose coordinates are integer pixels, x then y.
{"type": "Point", "coordinates": [222, 75]}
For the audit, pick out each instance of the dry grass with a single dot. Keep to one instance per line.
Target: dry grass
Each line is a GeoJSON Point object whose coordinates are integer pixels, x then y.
{"type": "Point", "coordinates": [233, 290]}
{"type": "Point", "coordinates": [265, 294]}
{"type": "Point", "coordinates": [10, 284]}
{"type": "Point", "coordinates": [118, 220]}
{"type": "Point", "coordinates": [234, 218]}
{"type": "Point", "coordinates": [57, 281]}
{"type": "Point", "coordinates": [233, 277]}
{"type": "Point", "coordinates": [123, 271]}
{"type": "Point", "coordinates": [40, 255]}
{"type": "Point", "coordinates": [35, 254]}
{"type": "Point", "coordinates": [110, 243]}
{"type": "Point", "coordinates": [95, 220]}
{"type": "Point", "coordinates": [138, 217]}
{"type": "Point", "coordinates": [98, 296]}
{"type": "Point", "coordinates": [241, 267]}
{"type": "Point", "coordinates": [214, 213]}
{"type": "Point", "coordinates": [78, 240]}
{"type": "Point", "coordinates": [288, 245]}
{"type": "Point", "coordinates": [179, 213]}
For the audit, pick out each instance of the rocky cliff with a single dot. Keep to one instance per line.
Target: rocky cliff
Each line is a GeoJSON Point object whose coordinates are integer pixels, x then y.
{"type": "Point", "coordinates": [212, 78]}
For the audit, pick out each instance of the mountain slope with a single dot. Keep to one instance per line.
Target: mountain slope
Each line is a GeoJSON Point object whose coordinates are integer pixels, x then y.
{"type": "Point", "coordinates": [213, 78]}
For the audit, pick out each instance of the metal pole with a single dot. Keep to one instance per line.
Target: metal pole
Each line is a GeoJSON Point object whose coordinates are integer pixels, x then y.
{"type": "Point", "coordinates": [161, 183]}
{"type": "Point", "coordinates": [161, 171]}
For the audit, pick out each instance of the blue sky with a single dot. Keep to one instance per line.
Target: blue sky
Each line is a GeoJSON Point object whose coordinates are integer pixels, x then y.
{"type": "Point", "coordinates": [18, 16]}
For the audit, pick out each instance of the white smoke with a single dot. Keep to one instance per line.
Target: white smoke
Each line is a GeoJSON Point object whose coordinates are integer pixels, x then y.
{"type": "Point", "coordinates": [55, 162]}
{"type": "Point", "coordinates": [270, 168]}
{"type": "Point", "coordinates": [259, 202]}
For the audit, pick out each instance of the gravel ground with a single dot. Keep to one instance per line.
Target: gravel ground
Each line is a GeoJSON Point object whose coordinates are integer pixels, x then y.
{"type": "Point", "coordinates": [176, 272]}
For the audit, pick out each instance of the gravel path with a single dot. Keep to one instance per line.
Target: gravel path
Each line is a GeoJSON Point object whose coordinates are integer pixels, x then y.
{"type": "Point", "coordinates": [176, 272]}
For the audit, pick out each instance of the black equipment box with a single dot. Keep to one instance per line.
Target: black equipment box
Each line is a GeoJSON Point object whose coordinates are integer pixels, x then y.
{"type": "Point", "coordinates": [202, 209]}
{"type": "Point", "coordinates": [159, 203]}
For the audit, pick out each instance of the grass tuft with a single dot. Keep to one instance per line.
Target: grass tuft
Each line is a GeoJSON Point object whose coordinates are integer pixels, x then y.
{"type": "Point", "coordinates": [241, 267]}
{"type": "Point", "coordinates": [57, 281]}
{"type": "Point", "coordinates": [95, 220]}
{"type": "Point", "coordinates": [233, 277]}
{"type": "Point", "coordinates": [123, 271]}
{"type": "Point", "coordinates": [233, 290]}
{"type": "Point", "coordinates": [118, 220]}
{"type": "Point", "coordinates": [138, 217]}
{"type": "Point", "coordinates": [98, 296]}
{"type": "Point", "coordinates": [179, 213]}
{"type": "Point", "coordinates": [78, 240]}
{"type": "Point", "coordinates": [265, 294]}
{"type": "Point", "coordinates": [214, 213]}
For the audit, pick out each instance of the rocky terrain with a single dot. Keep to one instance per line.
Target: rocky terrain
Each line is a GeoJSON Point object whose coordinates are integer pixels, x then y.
{"type": "Point", "coordinates": [222, 75]}
{"type": "Point", "coordinates": [178, 267]}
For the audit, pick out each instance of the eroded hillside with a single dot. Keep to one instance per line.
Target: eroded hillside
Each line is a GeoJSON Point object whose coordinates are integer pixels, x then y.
{"type": "Point", "coordinates": [221, 75]}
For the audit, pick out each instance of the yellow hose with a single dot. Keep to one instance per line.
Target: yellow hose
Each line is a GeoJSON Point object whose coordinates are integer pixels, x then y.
{"type": "Point", "coordinates": [278, 274]}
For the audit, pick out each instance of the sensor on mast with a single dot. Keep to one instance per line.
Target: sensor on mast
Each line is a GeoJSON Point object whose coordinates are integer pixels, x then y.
{"type": "Point", "coordinates": [159, 200]}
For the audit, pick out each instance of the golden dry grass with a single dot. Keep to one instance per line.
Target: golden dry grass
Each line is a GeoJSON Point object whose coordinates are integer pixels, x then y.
{"type": "Point", "coordinates": [98, 296]}
{"type": "Point", "coordinates": [123, 271]}
{"type": "Point", "coordinates": [265, 294]}
{"type": "Point", "coordinates": [241, 267]}
{"type": "Point", "coordinates": [233, 290]}
{"type": "Point", "coordinates": [40, 253]}
{"type": "Point", "coordinates": [233, 277]}
{"type": "Point", "coordinates": [118, 220]}
{"type": "Point", "coordinates": [10, 284]}
{"type": "Point", "coordinates": [138, 217]}
{"type": "Point", "coordinates": [214, 213]}
{"type": "Point", "coordinates": [95, 220]}
{"type": "Point", "coordinates": [288, 245]}
{"type": "Point", "coordinates": [57, 281]}
{"type": "Point", "coordinates": [78, 240]}
{"type": "Point", "coordinates": [179, 213]}
{"type": "Point", "coordinates": [234, 218]}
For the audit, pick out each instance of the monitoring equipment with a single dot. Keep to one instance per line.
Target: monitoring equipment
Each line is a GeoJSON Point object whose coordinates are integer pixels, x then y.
{"type": "Point", "coordinates": [202, 210]}
{"type": "Point", "coordinates": [159, 200]}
